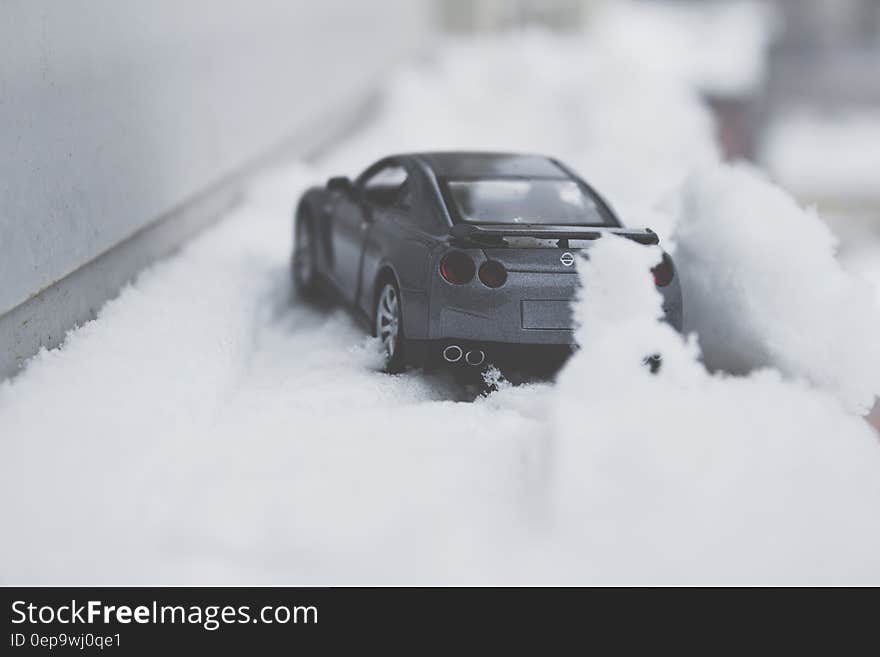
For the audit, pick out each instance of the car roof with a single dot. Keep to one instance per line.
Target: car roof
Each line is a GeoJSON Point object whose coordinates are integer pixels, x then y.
{"type": "Point", "coordinates": [464, 164]}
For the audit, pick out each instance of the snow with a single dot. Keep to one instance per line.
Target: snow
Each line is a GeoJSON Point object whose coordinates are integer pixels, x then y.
{"type": "Point", "coordinates": [687, 477]}
{"type": "Point", "coordinates": [764, 287]}
{"type": "Point", "coordinates": [206, 429]}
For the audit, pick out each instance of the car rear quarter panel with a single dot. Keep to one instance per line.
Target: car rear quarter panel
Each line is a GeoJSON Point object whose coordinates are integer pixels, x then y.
{"type": "Point", "coordinates": [404, 252]}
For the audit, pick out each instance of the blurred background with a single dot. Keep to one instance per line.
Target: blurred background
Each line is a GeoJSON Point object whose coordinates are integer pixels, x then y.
{"type": "Point", "coordinates": [126, 127]}
{"type": "Point", "coordinates": [794, 84]}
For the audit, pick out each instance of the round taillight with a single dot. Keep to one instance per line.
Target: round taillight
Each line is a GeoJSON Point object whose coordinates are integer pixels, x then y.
{"type": "Point", "coordinates": [663, 272]}
{"type": "Point", "coordinates": [493, 274]}
{"type": "Point", "coordinates": [457, 268]}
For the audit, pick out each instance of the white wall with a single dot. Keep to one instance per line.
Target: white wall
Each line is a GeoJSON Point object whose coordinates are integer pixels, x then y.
{"type": "Point", "coordinates": [113, 112]}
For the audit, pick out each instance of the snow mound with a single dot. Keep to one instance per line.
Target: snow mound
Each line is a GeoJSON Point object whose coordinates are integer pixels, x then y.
{"type": "Point", "coordinates": [685, 476]}
{"type": "Point", "coordinates": [762, 287]}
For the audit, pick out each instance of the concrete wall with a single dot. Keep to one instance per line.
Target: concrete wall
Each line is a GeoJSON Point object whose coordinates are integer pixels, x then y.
{"type": "Point", "coordinates": [114, 113]}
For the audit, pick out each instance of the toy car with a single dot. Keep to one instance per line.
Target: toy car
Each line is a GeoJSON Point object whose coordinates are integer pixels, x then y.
{"type": "Point", "coordinates": [460, 258]}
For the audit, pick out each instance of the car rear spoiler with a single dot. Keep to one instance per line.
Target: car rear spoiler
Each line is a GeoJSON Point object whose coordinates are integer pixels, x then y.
{"type": "Point", "coordinates": [495, 233]}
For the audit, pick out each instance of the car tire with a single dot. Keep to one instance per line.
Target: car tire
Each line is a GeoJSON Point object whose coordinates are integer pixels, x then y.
{"type": "Point", "coordinates": [304, 262]}
{"type": "Point", "coordinates": [388, 326]}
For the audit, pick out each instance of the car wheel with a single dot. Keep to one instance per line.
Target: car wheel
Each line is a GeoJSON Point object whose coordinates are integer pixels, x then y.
{"type": "Point", "coordinates": [304, 263]}
{"type": "Point", "coordinates": [389, 326]}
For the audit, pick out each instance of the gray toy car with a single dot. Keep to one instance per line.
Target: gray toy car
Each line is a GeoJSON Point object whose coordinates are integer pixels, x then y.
{"type": "Point", "coordinates": [459, 258]}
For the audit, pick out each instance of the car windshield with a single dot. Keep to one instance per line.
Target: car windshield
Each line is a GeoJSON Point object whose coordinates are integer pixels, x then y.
{"type": "Point", "coordinates": [519, 201]}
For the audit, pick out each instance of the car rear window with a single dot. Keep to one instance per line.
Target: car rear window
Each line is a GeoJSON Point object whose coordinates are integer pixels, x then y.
{"type": "Point", "coordinates": [527, 201]}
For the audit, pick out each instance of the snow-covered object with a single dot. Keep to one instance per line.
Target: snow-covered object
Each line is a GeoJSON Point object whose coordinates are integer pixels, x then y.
{"type": "Point", "coordinates": [685, 476]}
{"type": "Point", "coordinates": [762, 287]}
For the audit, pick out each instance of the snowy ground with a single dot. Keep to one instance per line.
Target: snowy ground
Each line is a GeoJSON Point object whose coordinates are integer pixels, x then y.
{"type": "Point", "coordinates": [204, 429]}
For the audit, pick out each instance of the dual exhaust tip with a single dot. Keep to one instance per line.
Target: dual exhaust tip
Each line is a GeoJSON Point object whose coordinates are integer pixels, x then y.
{"type": "Point", "coordinates": [453, 354]}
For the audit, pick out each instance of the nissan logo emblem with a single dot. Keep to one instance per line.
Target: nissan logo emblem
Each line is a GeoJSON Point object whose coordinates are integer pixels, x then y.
{"type": "Point", "coordinates": [566, 259]}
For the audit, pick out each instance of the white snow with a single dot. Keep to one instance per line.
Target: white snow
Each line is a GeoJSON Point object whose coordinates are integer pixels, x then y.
{"type": "Point", "coordinates": [686, 477]}
{"type": "Point", "coordinates": [764, 287]}
{"type": "Point", "coordinates": [204, 429]}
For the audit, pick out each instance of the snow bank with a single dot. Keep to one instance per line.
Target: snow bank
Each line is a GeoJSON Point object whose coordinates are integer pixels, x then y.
{"type": "Point", "coordinates": [763, 287]}
{"type": "Point", "coordinates": [689, 477]}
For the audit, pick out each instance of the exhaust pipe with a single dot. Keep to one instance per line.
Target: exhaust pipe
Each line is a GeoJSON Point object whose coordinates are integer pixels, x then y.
{"type": "Point", "coordinates": [452, 353]}
{"type": "Point", "coordinates": [475, 357]}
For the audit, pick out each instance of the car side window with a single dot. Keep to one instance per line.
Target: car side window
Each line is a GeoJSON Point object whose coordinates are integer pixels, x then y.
{"type": "Point", "coordinates": [404, 197]}
{"type": "Point", "coordinates": [387, 187]}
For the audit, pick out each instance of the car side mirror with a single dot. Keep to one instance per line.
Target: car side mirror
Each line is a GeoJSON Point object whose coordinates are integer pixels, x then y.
{"type": "Point", "coordinates": [340, 184]}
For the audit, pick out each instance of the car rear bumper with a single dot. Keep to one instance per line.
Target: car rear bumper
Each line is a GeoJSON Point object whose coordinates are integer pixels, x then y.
{"type": "Point", "coordinates": [530, 309]}
{"type": "Point", "coordinates": [510, 314]}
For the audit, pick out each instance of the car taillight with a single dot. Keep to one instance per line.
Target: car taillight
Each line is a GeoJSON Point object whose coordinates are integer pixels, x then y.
{"type": "Point", "coordinates": [493, 274]}
{"type": "Point", "coordinates": [663, 272]}
{"type": "Point", "coordinates": [457, 268]}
